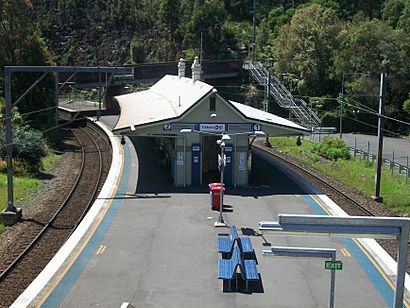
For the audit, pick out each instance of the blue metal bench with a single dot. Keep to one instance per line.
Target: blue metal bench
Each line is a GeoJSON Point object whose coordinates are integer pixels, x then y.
{"type": "Point", "coordinates": [227, 269]}
{"type": "Point", "coordinates": [226, 243]}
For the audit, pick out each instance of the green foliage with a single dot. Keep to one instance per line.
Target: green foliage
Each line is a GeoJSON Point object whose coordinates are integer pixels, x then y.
{"type": "Point", "coordinates": [305, 46]}
{"type": "Point", "coordinates": [406, 105]}
{"type": "Point", "coordinates": [330, 119]}
{"type": "Point", "coordinates": [332, 148]}
{"type": "Point", "coordinates": [29, 147]}
{"type": "Point", "coordinates": [355, 173]}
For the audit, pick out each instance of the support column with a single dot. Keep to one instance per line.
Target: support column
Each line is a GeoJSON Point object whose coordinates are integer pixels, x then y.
{"type": "Point", "coordinates": [380, 128]}
{"type": "Point", "coordinates": [11, 214]}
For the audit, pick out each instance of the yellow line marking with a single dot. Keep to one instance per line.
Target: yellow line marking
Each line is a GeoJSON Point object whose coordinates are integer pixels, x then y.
{"type": "Point", "coordinates": [101, 250]}
{"type": "Point", "coordinates": [345, 252]}
{"type": "Point", "coordinates": [378, 268]}
{"type": "Point", "coordinates": [320, 204]}
{"type": "Point", "coordinates": [60, 277]}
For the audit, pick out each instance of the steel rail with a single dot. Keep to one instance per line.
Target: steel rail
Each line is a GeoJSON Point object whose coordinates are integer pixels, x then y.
{"type": "Point", "coordinates": [62, 206]}
{"type": "Point", "coordinates": [100, 171]}
{"type": "Point", "coordinates": [283, 160]}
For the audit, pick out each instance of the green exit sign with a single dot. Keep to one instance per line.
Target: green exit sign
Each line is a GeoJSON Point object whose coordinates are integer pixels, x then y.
{"type": "Point", "coordinates": [334, 265]}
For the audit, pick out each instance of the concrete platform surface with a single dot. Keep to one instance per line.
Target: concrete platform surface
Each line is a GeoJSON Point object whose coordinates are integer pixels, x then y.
{"type": "Point", "coordinates": [159, 248]}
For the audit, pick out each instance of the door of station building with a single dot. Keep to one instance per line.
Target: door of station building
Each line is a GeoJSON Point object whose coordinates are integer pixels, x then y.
{"type": "Point", "coordinates": [210, 151]}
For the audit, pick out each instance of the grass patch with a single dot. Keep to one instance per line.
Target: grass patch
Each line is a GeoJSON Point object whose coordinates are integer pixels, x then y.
{"type": "Point", "coordinates": [24, 185]}
{"type": "Point", "coordinates": [354, 172]}
{"type": "Point", "coordinates": [49, 161]}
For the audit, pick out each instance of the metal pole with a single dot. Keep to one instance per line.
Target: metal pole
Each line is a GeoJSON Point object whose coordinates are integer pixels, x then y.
{"type": "Point", "coordinates": [200, 53]}
{"type": "Point", "coordinates": [221, 218]}
{"type": "Point", "coordinates": [401, 266]}
{"type": "Point", "coordinates": [9, 143]}
{"type": "Point", "coordinates": [268, 103]}
{"type": "Point", "coordinates": [392, 165]}
{"type": "Point", "coordinates": [380, 139]}
{"type": "Point", "coordinates": [368, 150]}
{"type": "Point", "coordinates": [332, 283]}
{"type": "Point", "coordinates": [341, 108]}
{"type": "Point", "coordinates": [99, 94]}
{"type": "Point", "coordinates": [407, 166]}
{"type": "Point", "coordinates": [355, 147]}
{"type": "Point", "coordinates": [254, 31]}
{"type": "Point", "coordinates": [56, 91]}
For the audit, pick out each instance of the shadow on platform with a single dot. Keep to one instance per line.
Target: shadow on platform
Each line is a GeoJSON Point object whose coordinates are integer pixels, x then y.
{"type": "Point", "coordinates": [155, 182]}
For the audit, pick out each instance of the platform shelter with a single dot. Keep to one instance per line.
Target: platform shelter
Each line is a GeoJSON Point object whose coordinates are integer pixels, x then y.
{"type": "Point", "coordinates": [176, 105]}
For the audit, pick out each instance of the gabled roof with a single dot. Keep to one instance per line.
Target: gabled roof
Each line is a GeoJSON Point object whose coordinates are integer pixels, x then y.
{"type": "Point", "coordinates": [173, 97]}
{"type": "Point", "coordinates": [262, 116]}
{"type": "Point", "coordinates": [168, 98]}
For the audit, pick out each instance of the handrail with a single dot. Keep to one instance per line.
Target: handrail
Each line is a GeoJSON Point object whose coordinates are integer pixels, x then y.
{"type": "Point", "coordinates": [282, 96]}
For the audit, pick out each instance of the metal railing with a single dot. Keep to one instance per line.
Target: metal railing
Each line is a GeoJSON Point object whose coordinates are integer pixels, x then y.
{"type": "Point", "coordinates": [298, 107]}
{"type": "Point", "coordinates": [393, 165]}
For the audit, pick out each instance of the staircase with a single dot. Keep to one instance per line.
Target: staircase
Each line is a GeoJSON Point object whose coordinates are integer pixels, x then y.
{"type": "Point", "coordinates": [302, 113]}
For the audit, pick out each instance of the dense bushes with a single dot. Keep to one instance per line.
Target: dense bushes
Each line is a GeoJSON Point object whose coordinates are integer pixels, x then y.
{"type": "Point", "coordinates": [29, 147]}
{"type": "Point", "coordinates": [332, 148]}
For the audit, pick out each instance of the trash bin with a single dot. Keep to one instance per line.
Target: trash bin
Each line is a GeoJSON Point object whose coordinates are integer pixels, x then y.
{"type": "Point", "coordinates": [216, 190]}
{"type": "Point", "coordinates": [210, 185]}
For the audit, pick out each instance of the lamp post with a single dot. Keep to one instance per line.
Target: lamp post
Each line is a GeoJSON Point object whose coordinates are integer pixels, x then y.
{"type": "Point", "coordinates": [221, 163]}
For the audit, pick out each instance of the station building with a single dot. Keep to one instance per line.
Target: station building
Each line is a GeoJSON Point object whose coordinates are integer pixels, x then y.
{"type": "Point", "coordinates": [188, 117]}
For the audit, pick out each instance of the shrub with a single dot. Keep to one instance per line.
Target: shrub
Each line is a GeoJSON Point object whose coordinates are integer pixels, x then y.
{"type": "Point", "coordinates": [29, 147]}
{"type": "Point", "coordinates": [332, 148]}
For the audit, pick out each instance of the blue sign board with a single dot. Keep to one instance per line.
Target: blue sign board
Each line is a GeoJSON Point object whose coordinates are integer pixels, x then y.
{"type": "Point", "coordinates": [228, 174]}
{"type": "Point", "coordinates": [196, 164]}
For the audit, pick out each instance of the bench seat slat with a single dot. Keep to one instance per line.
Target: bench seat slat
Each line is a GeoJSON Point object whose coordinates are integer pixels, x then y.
{"type": "Point", "coordinates": [246, 244]}
{"type": "Point", "coordinates": [251, 271]}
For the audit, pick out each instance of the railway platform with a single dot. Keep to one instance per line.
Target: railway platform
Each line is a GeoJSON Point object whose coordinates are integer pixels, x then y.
{"type": "Point", "coordinates": [151, 244]}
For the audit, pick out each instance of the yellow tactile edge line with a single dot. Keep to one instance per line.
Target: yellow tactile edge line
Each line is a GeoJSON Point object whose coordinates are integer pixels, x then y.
{"type": "Point", "coordinates": [376, 265]}
{"type": "Point", "coordinates": [60, 277]}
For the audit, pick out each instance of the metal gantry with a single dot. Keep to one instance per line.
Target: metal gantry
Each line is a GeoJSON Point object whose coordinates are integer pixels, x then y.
{"type": "Point", "coordinates": [11, 214]}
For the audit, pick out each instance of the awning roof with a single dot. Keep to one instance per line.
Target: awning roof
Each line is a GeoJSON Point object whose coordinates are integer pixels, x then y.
{"type": "Point", "coordinates": [173, 96]}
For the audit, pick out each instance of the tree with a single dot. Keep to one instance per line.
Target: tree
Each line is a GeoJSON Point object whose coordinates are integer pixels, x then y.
{"type": "Point", "coordinates": [305, 48]}
{"type": "Point", "coordinates": [21, 44]}
{"type": "Point", "coordinates": [209, 18]}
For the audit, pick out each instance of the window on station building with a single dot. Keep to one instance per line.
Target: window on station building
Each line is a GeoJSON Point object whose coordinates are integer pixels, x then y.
{"type": "Point", "coordinates": [212, 104]}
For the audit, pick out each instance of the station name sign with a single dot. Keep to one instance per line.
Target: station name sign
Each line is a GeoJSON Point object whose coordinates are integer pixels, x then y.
{"type": "Point", "coordinates": [213, 127]}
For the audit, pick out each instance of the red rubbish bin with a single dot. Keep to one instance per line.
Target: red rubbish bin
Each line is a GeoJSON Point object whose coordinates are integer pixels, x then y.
{"type": "Point", "coordinates": [217, 192]}
{"type": "Point", "coordinates": [210, 185]}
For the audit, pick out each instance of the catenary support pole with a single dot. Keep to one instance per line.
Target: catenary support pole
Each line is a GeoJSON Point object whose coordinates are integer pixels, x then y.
{"type": "Point", "coordinates": [9, 143]}
{"type": "Point", "coordinates": [380, 128]}
{"type": "Point", "coordinates": [56, 91]}
{"type": "Point", "coordinates": [254, 31]}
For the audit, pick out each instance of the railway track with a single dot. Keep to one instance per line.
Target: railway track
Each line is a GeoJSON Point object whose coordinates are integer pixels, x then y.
{"type": "Point", "coordinates": [45, 232]}
{"type": "Point", "coordinates": [350, 200]}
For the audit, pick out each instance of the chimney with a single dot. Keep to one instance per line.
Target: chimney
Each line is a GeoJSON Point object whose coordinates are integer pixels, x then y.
{"type": "Point", "coordinates": [181, 68]}
{"type": "Point", "coordinates": [196, 70]}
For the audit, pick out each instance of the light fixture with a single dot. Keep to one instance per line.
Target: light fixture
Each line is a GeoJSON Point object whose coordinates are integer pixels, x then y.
{"type": "Point", "coordinates": [225, 137]}
{"type": "Point", "coordinates": [185, 131]}
{"type": "Point", "coordinates": [213, 115]}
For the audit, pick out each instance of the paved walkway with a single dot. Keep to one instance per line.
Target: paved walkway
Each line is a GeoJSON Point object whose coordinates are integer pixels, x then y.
{"type": "Point", "coordinates": [159, 249]}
